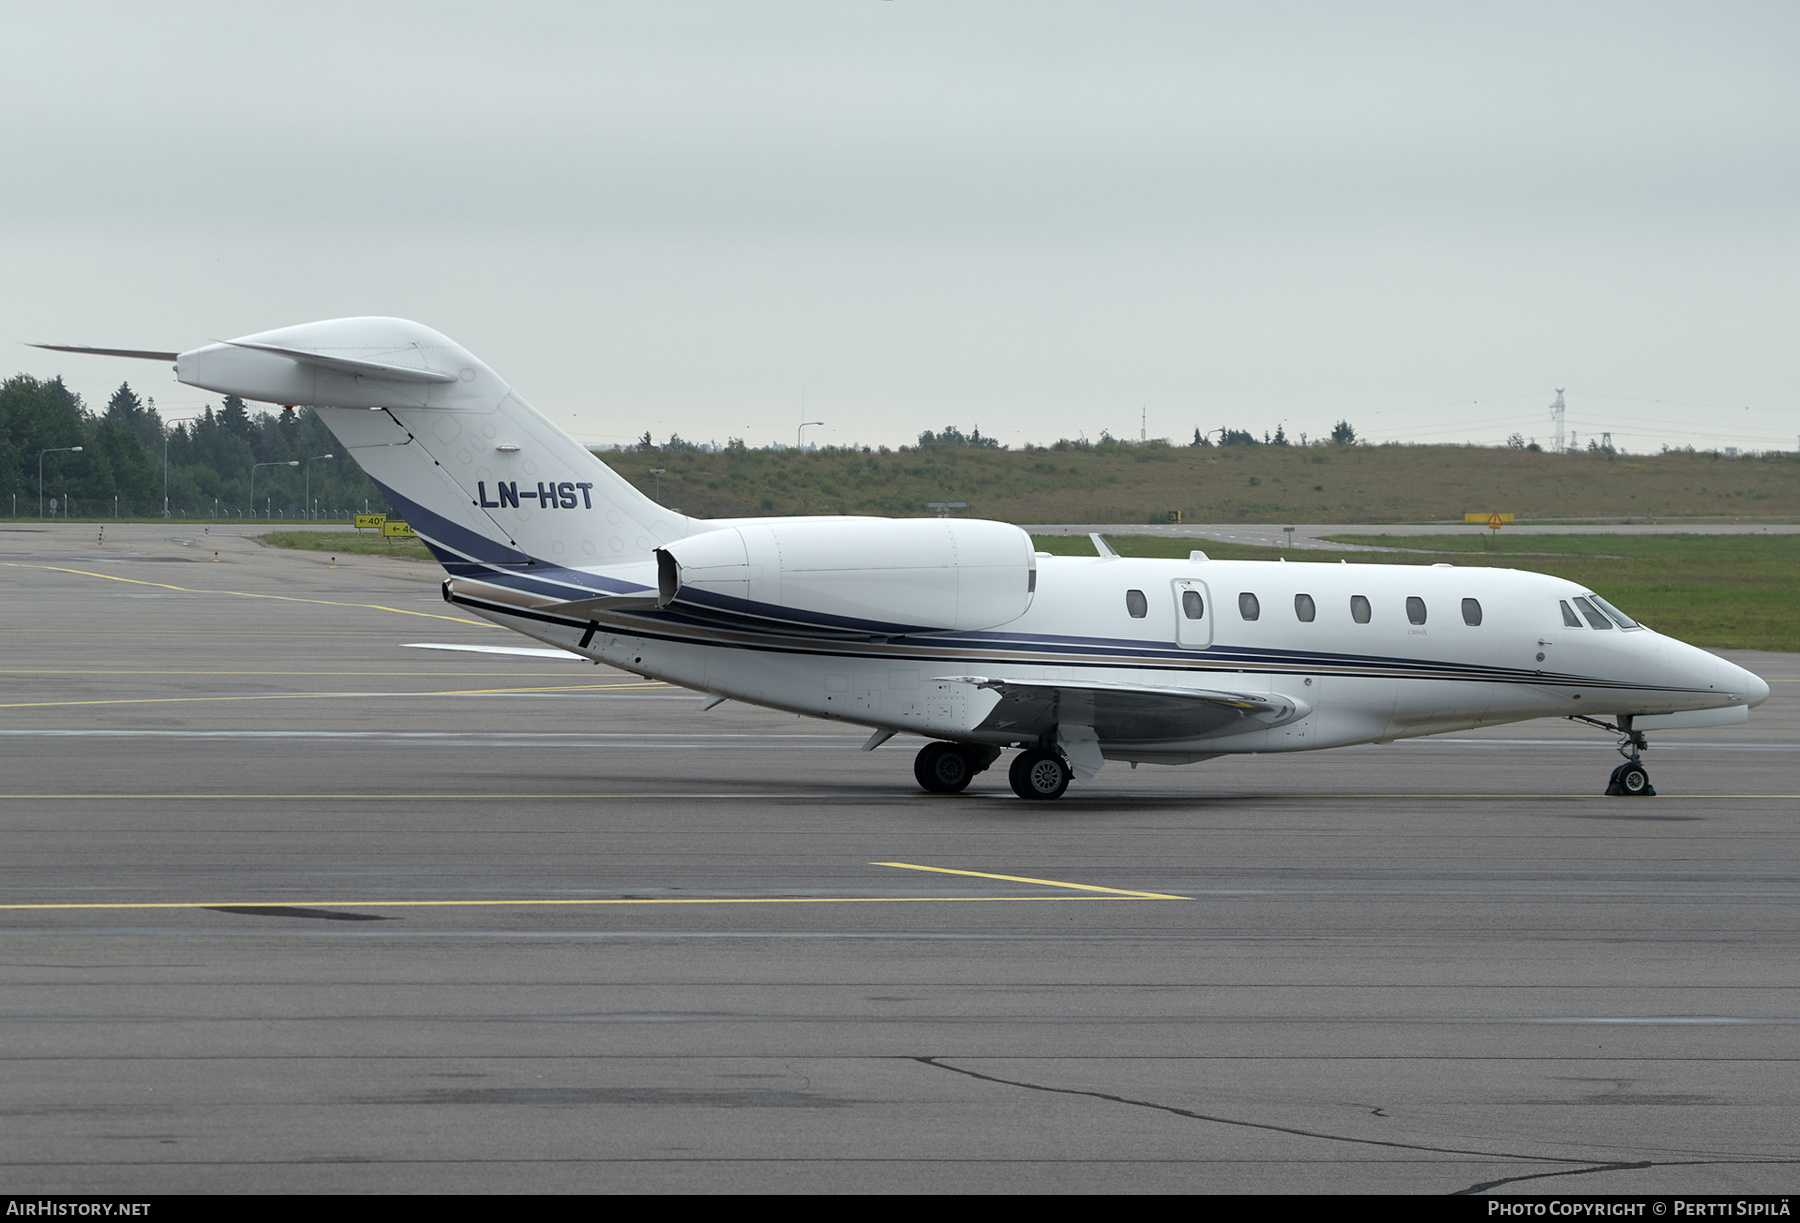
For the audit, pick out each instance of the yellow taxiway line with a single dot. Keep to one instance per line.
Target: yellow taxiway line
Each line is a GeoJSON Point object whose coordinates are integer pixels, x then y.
{"type": "Point", "coordinates": [1049, 883]}
{"type": "Point", "coordinates": [246, 594]}
{"type": "Point", "coordinates": [1104, 893]}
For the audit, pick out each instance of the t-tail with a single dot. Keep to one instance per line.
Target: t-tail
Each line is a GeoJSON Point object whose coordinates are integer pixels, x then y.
{"type": "Point", "coordinates": [492, 487]}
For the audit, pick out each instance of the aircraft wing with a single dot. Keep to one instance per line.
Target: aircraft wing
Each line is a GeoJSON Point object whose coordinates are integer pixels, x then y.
{"type": "Point", "coordinates": [1125, 712]}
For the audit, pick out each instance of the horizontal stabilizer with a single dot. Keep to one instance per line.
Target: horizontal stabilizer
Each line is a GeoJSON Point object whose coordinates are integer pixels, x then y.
{"type": "Point", "coordinates": [137, 353]}
{"type": "Point", "coordinates": [350, 365]}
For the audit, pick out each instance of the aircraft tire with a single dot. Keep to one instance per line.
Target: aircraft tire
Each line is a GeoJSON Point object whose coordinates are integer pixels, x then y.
{"type": "Point", "coordinates": [1633, 781]}
{"type": "Point", "coordinates": [1037, 774]}
{"type": "Point", "coordinates": [943, 768]}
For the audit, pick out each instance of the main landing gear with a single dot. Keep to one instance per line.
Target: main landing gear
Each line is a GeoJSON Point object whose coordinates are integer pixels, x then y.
{"type": "Point", "coordinates": [1631, 779]}
{"type": "Point", "coordinates": [1037, 773]}
{"type": "Point", "coordinates": [948, 768]}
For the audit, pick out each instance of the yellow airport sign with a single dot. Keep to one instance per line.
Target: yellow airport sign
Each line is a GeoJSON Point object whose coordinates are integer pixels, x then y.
{"type": "Point", "coordinates": [1488, 520]}
{"type": "Point", "coordinates": [397, 530]}
{"type": "Point", "coordinates": [370, 522]}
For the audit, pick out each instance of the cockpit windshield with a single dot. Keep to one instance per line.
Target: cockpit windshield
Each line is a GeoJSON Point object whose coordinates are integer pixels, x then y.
{"type": "Point", "coordinates": [1592, 615]}
{"type": "Point", "coordinates": [1618, 616]}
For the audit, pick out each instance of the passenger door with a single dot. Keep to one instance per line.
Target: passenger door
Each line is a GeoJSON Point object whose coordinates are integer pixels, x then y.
{"type": "Point", "coordinates": [1193, 613]}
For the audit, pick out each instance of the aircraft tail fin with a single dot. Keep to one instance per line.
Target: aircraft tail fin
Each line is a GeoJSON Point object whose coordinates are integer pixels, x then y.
{"type": "Point", "coordinates": [490, 484]}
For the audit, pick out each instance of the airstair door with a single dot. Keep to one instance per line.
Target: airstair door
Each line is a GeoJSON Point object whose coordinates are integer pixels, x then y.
{"type": "Point", "coordinates": [1193, 614]}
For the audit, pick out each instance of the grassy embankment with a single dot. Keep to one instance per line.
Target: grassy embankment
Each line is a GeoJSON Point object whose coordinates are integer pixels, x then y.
{"type": "Point", "coordinates": [1725, 591]}
{"type": "Point", "coordinates": [1117, 483]}
{"type": "Point", "coordinates": [1132, 483]}
{"type": "Point", "coordinates": [348, 543]}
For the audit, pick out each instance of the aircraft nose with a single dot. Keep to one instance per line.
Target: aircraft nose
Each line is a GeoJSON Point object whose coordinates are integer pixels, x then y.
{"type": "Point", "coordinates": [1756, 688]}
{"type": "Point", "coordinates": [1745, 685]}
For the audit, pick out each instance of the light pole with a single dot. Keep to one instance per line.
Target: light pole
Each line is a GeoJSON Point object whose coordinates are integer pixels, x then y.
{"type": "Point", "coordinates": [802, 429]}
{"type": "Point", "coordinates": [658, 473]}
{"type": "Point", "coordinates": [253, 467]}
{"type": "Point", "coordinates": [41, 454]}
{"type": "Point", "coordinates": [309, 464]}
{"type": "Point", "coordinates": [165, 432]}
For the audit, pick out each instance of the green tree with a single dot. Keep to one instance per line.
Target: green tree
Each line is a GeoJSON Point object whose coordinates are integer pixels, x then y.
{"type": "Point", "coordinates": [126, 411]}
{"type": "Point", "coordinates": [235, 419]}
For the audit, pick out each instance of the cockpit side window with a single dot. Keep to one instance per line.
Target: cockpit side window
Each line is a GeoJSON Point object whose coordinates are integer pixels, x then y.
{"type": "Point", "coordinates": [1248, 607]}
{"type": "Point", "coordinates": [1359, 608]}
{"type": "Point", "coordinates": [1570, 620]}
{"type": "Point", "coordinates": [1137, 604]}
{"type": "Point", "coordinates": [1592, 614]}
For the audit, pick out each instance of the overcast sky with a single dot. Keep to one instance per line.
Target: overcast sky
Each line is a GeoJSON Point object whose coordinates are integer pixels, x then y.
{"type": "Point", "coordinates": [1041, 219]}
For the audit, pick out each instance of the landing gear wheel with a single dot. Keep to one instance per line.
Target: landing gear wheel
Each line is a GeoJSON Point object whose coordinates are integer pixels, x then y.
{"type": "Point", "coordinates": [944, 768]}
{"type": "Point", "coordinates": [1038, 774]}
{"type": "Point", "coordinates": [1631, 780]}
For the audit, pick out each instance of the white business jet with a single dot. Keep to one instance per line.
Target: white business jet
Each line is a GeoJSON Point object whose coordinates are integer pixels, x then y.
{"type": "Point", "coordinates": [956, 630]}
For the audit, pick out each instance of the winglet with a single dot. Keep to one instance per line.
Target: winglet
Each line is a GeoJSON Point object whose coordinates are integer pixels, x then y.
{"type": "Point", "coordinates": [1101, 546]}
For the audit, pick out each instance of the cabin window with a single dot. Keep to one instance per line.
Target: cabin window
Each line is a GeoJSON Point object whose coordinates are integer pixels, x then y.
{"type": "Point", "coordinates": [1359, 609]}
{"type": "Point", "coordinates": [1569, 618]}
{"type": "Point", "coordinates": [1623, 620]}
{"type": "Point", "coordinates": [1305, 608]}
{"type": "Point", "coordinates": [1592, 615]}
{"type": "Point", "coordinates": [1248, 607]}
{"type": "Point", "coordinates": [1472, 612]}
{"type": "Point", "coordinates": [1192, 606]}
{"type": "Point", "coordinates": [1415, 609]}
{"type": "Point", "coordinates": [1137, 604]}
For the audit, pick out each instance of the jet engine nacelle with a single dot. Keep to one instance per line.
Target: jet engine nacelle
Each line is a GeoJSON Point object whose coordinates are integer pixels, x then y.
{"type": "Point", "coordinates": [876, 575]}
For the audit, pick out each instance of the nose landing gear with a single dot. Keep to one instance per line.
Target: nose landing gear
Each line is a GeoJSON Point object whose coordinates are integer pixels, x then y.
{"type": "Point", "coordinates": [1631, 779]}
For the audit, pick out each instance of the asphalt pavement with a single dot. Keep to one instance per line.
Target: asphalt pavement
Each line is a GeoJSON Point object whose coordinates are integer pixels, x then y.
{"type": "Point", "coordinates": [289, 906]}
